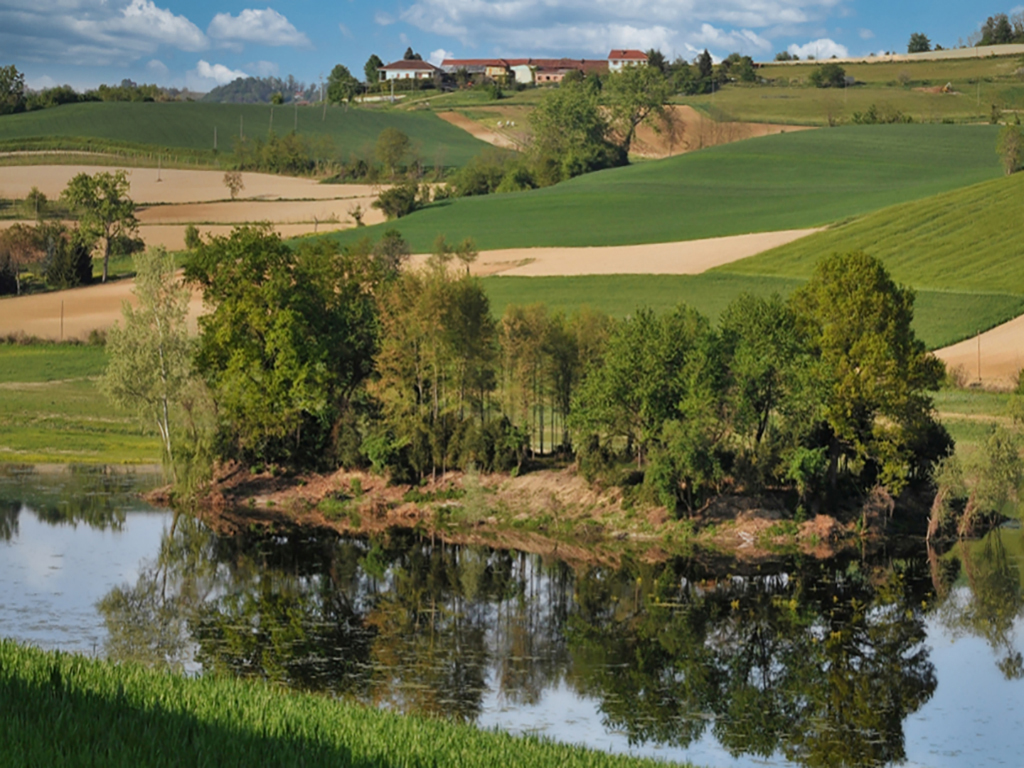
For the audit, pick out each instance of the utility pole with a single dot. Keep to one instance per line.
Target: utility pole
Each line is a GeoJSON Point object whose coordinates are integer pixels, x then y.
{"type": "Point", "coordinates": [271, 118]}
{"type": "Point", "coordinates": [215, 138]}
{"type": "Point", "coordinates": [241, 127]}
{"type": "Point", "coordinates": [322, 97]}
{"type": "Point", "coordinates": [295, 128]}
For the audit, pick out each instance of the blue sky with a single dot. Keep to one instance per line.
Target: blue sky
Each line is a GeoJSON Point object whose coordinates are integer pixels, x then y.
{"type": "Point", "coordinates": [200, 45]}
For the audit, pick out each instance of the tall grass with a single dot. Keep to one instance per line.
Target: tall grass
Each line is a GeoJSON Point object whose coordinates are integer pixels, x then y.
{"type": "Point", "coordinates": [70, 711]}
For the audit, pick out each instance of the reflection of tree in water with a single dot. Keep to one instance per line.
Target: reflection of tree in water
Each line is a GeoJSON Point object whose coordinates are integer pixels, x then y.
{"type": "Point", "coordinates": [821, 667]}
{"type": "Point", "coordinates": [819, 662]}
{"type": "Point", "coordinates": [994, 598]}
{"type": "Point", "coordinates": [92, 496]}
{"type": "Point", "coordinates": [9, 511]}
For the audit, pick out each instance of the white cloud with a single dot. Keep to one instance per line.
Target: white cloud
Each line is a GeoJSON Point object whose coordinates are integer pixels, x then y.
{"type": "Point", "coordinates": [436, 57]}
{"type": "Point", "coordinates": [38, 83]}
{"type": "Point", "coordinates": [157, 67]}
{"type": "Point", "coordinates": [92, 32]}
{"type": "Point", "coordinates": [384, 19]}
{"type": "Point", "coordinates": [866, 34]}
{"type": "Point", "coordinates": [266, 27]}
{"type": "Point", "coordinates": [345, 31]}
{"type": "Point", "coordinates": [743, 41]}
{"type": "Point", "coordinates": [206, 76]}
{"type": "Point", "coordinates": [144, 19]}
{"type": "Point", "coordinates": [824, 48]}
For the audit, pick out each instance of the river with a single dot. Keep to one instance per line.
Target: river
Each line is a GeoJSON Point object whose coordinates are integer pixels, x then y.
{"type": "Point", "coordinates": [911, 656]}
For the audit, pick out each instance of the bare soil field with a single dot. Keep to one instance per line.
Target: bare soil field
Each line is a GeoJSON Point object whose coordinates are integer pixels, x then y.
{"type": "Point", "coordinates": [691, 130]}
{"type": "Point", "coordinates": [277, 212]}
{"type": "Point", "coordinates": [99, 306]}
{"type": "Point", "coordinates": [74, 313]}
{"type": "Point", "coordinates": [1001, 355]}
{"type": "Point", "coordinates": [686, 258]}
{"type": "Point", "coordinates": [176, 186]}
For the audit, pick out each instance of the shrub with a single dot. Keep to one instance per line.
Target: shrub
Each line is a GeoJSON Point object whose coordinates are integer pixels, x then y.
{"type": "Point", "coordinates": [68, 261]}
{"type": "Point", "coordinates": [829, 75]}
{"type": "Point", "coordinates": [398, 201]}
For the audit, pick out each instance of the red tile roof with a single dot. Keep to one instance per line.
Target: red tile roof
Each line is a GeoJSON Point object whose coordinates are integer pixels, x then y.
{"type": "Point", "coordinates": [409, 64]}
{"type": "Point", "coordinates": [627, 55]}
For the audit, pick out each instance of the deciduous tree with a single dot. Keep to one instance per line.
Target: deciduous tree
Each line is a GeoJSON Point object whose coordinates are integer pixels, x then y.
{"type": "Point", "coordinates": [12, 90]}
{"type": "Point", "coordinates": [637, 96]}
{"type": "Point", "coordinates": [919, 43]}
{"type": "Point", "coordinates": [149, 353]}
{"type": "Point", "coordinates": [105, 209]}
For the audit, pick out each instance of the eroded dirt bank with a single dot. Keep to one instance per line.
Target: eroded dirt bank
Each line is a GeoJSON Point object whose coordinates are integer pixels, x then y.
{"type": "Point", "coordinates": [551, 512]}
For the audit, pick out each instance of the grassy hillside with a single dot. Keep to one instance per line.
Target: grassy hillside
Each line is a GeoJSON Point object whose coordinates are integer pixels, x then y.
{"type": "Point", "coordinates": [965, 240]}
{"type": "Point", "coordinates": [978, 84]}
{"type": "Point", "coordinates": [51, 410]}
{"type": "Point", "coordinates": [779, 182]}
{"type": "Point", "coordinates": [190, 126]}
{"type": "Point", "coordinates": [940, 318]}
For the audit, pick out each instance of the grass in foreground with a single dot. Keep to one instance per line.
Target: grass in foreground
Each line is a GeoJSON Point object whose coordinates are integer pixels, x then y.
{"type": "Point", "coordinates": [964, 240]}
{"type": "Point", "coordinates": [190, 126]}
{"type": "Point", "coordinates": [71, 711]}
{"type": "Point", "coordinates": [940, 317]}
{"type": "Point", "coordinates": [789, 181]}
{"type": "Point", "coordinates": [51, 410]}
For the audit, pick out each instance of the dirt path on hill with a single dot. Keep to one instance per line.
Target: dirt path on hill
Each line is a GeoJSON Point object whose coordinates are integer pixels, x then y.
{"type": "Point", "coordinates": [478, 130]}
{"type": "Point", "coordinates": [176, 186]}
{"type": "Point", "coordinates": [1002, 355]}
{"type": "Point", "coordinates": [685, 258]}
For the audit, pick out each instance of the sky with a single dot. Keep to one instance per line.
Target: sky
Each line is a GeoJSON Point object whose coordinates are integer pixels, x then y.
{"type": "Point", "coordinates": [199, 45]}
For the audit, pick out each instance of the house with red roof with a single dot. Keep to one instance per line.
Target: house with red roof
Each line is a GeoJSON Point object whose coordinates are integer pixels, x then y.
{"type": "Point", "coordinates": [620, 58]}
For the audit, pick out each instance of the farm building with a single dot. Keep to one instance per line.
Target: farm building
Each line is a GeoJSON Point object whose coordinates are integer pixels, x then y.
{"type": "Point", "coordinates": [409, 70]}
{"type": "Point", "coordinates": [618, 59]}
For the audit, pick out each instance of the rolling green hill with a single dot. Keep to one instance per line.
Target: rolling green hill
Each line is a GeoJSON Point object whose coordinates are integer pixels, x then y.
{"type": "Point", "coordinates": [940, 317]}
{"type": "Point", "coordinates": [965, 240]}
{"type": "Point", "coordinates": [190, 126]}
{"type": "Point", "coordinates": [793, 180]}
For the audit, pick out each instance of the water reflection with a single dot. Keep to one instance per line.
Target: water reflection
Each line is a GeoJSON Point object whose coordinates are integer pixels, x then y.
{"type": "Point", "coordinates": [93, 496]}
{"type": "Point", "coordinates": [819, 663]}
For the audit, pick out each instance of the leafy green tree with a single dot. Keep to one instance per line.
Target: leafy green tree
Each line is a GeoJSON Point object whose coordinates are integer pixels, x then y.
{"type": "Point", "coordinates": [372, 69]}
{"type": "Point", "coordinates": [874, 370]}
{"type": "Point", "coordinates": [105, 209]}
{"type": "Point", "coordinates": [68, 259]}
{"type": "Point", "coordinates": [399, 201]}
{"type": "Point", "coordinates": [12, 90]}
{"type": "Point", "coordinates": [1010, 146]}
{"type": "Point", "coordinates": [342, 87]}
{"type": "Point", "coordinates": [919, 43]}
{"type": "Point", "coordinates": [24, 246]}
{"type": "Point", "coordinates": [830, 75]}
{"type": "Point", "coordinates": [149, 355]}
{"type": "Point", "coordinates": [391, 148]}
{"type": "Point", "coordinates": [637, 96]}
{"type": "Point", "coordinates": [289, 338]}
{"type": "Point", "coordinates": [657, 60]}
{"type": "Point", "coordinates": [277, 99]}
{"type": "Point", "coordinates": [705, 65]}
{"type": "Point", "coordinates": [571, 134]}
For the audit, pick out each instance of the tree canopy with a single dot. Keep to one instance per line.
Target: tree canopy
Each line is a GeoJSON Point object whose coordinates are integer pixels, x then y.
{"type": "Point", "coordinates": [105, 209]}
{"type": "Point", "coordinates": [342, 87]}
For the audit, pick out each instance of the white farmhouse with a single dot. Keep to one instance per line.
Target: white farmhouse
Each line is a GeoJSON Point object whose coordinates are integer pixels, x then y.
{"type": "Point", "coordinates": [619, 59]}
{"type": "Point", "coordinates": [408, 69]}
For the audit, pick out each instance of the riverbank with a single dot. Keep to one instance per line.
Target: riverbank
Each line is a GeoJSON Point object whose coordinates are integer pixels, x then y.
{"type": "Point", "coordinates": [549, 510]}
{"type": "Point", "coordinates": [127, 715]}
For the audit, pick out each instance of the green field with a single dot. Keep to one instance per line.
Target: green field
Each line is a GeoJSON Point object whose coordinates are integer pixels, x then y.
{"type": "Point", "coordinates": [789, 98]}
{"type": "Point", "coordinates": [789, 181]}
{"type": "Point", "coordinates": [190, 126]}
{"type": "Point", "coordinates": [940, 317]}
{"type": "Point", "coordinates": [71, 711]}
{"type": "Point", "coordinates": [51, 410]}
{"type": "Point", "coordinates": [965, 240]}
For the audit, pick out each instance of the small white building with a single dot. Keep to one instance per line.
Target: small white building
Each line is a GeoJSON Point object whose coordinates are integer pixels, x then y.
{"type": "Point", "coordinates": [619, 59]}
{"type": "Point", "coordinates": [408, 69]}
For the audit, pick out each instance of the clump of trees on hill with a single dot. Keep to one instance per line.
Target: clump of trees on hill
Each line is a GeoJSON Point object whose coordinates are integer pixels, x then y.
{"type": "Point", "coordinates": [1000, 29]}
{"type": "Point", "coordinates": [262, 90]}
{"type": "Point", "coordinates": [317, 357]}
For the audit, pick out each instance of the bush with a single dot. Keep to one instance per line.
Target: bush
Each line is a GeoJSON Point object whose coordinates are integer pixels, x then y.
{"type": "Point", "coordinates": [829, 75]}
{"type": "Point", "coordinates": [398, 201]}
{"type": "Point", "coordinates": [68, 261]}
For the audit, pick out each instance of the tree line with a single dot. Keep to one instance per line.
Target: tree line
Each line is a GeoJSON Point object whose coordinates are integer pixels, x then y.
{"type": "Point", "coordinates": [318, 357]}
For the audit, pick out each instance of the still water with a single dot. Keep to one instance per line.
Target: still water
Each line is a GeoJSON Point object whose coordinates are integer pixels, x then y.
{"type": "Point", "coordinates": [910, 657]}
